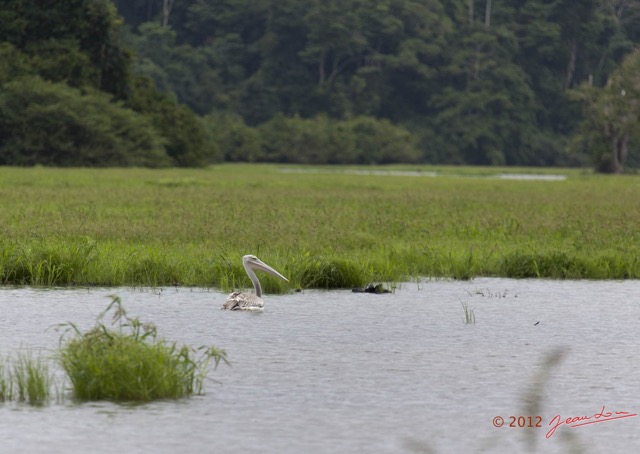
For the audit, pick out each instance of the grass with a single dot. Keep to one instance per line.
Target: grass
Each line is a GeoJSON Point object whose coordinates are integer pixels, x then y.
{"type": "Point", "coordinates": [327, 229]}
{"type": "Point", "coordinates": [25, 379]}
{"type": "Point", "coordinates": [469, 315]}
{"type": "Point", "coordinates": [125, 364]}
{"type": "Point", "coordinates": [31, 379]}
{"type": "Point", "coordinates": [130, 363]}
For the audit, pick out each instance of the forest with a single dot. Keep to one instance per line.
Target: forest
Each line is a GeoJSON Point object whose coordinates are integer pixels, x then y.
{"type": "Point", "coordinates": [161, 83]}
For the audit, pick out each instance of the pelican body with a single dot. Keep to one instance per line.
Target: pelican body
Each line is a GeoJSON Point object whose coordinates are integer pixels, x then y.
{"type": "Point", "coordinates": [242, 301]}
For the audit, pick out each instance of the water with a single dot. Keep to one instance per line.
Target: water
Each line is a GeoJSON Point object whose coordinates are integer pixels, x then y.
{"type": "Point", "coordinates": [531, 176]}
{"type": "Point", "coordinates": [428, 173]}
{"type": "Point", "coordinates": [341, 372]}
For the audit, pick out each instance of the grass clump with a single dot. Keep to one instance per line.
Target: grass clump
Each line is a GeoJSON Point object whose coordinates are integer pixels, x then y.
{"type": "Point", "coordinates": [330, 273]}
{"type": "Point", "coordinates": [5, 384]}
{"type": "Point", "coordinates": [130, 362]}
{"type": "Point", "coordinates": [31, 379]}
{"type": "Point", "coordinates": [152, 267]}
{"type": "Point", "coordinates": [25, 379]}
{"type": "Point", "coordinates": [554, 265]}
{"type": "Point", "coordinates": [469, 315]}
{"type": "Point", "coordinates": [45, 263]}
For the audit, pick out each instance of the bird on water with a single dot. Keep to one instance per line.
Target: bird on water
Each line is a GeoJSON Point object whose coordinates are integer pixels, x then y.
{"type": "Point", "coordinates": [243, 301]}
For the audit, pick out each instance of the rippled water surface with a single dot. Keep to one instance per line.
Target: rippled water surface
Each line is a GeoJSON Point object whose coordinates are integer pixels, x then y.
{"type": "Point", "coordinates": [340, 372]}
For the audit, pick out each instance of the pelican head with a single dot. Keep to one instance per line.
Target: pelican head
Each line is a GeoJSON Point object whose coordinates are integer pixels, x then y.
{"type": "Point", "coordinates": [254, 263]}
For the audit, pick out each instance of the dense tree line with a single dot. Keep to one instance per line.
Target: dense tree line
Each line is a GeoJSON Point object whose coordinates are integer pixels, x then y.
{"type": "Point", "coordinates": [516, 82]}
{"type": "Point", "coordinates": [68, 95]}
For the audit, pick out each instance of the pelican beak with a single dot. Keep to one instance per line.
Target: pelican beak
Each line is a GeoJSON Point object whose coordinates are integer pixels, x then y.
{"type": "Point", "coordinates": [260, 265]}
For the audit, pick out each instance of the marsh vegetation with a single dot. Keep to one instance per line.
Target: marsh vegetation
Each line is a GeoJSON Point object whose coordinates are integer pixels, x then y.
{"type": "Point", "coordinates": [131, 363]}
{"type": "Point", "coordinates": [328, 229]}
{"type": "Point", "coordinates": [469, 314]}
{"type": "Point", "coordinates": [26, 378]}
{"type": "Point", "coordinates": [125, 363]}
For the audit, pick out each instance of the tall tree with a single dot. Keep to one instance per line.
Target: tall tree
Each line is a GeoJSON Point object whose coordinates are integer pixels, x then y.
{"type": "Point", "coordinates": [485, 111]}
{"type": "Point", "coordinates": [612, 115]}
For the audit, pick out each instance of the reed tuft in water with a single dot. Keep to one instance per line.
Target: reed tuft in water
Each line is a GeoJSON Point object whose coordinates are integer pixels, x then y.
{"type": "Point", "coordinates": [469, 315]}
{"type": "Point", "coordinates": [25, 379]}
{"type": "Point", "coordinates": [5, 384]}
{"type": "Point", "coordinates": [130, 362]}
{"type": "Point", "coordinates": [31, 379]}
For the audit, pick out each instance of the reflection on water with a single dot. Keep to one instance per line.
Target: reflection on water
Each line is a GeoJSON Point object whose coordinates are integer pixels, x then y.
{"type": "Point", "coordinates": [343, 372]}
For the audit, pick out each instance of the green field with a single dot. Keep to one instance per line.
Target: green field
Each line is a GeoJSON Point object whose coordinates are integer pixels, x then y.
{"type": "Point", "coordinates": [321, 227]}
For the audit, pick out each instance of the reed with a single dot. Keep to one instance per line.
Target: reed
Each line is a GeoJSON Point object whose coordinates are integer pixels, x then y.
{"type": "Point", "coordinates": [25, 378]}
{"type": "Point", "coordinates": [6, 392]}
{"type": "Point", "coordinates": [130, 362]}
{"type": "Point", "coordinates": [31, 379]}
{"type": "Point", "coordinates": [469, 314]}
{"type": "Point", "coordinates": [326, 229]}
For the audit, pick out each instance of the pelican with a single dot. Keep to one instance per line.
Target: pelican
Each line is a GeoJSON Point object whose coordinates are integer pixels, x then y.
{"type": "Point", "coordinates": [240, 301]}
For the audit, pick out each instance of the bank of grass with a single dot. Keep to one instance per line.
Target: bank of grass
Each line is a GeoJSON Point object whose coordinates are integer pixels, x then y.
{"type": "Point", "coordinates": [322, 229]}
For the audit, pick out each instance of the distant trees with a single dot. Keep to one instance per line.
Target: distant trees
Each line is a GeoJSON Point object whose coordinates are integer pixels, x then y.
{"type": "Point", "coordinates": [485, 113]}
{"type": "Point", "coordinates": [474, 81]}
{"type": "Point", "coordinates": [67, 95]}
{"type": "Point", "coordinates": [50, 123]}
{"type": "Point", "coordinates": [322, 140]}
{"type": "Point", "coordinates": [73, 41]}
{"type": "Point", "coordinates": [612, 116]}
{"type": "Point", "coordinates": [438, 81]}
{"type": "Point", "coordinates": [316, 140]}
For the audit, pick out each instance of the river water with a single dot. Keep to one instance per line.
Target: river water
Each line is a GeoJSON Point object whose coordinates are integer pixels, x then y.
{"type": "Point", "coordinates": [342, 372]}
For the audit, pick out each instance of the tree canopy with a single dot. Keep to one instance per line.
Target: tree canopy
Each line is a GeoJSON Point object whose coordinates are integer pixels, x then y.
{"type": "Point", "coordinates": [510, 82]}
{"type": "Point", "coordinates": [68, 96]}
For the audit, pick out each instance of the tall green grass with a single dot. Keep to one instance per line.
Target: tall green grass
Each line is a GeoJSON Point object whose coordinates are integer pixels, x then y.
{"type": "Point", "coordinates": [31, 378]}
{"type": "Point", "coordinates": [6, 391]}
{"type": "Point", "coordinates": [325, 229]}
{"type": "Point", "coordinates": [130, 362]}
{"type": "Point", "coordinates": [25, 378]}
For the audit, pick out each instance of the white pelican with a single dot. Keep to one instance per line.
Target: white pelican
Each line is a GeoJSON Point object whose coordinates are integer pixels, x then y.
{"type": "Point", "coordinates": [240, 301]}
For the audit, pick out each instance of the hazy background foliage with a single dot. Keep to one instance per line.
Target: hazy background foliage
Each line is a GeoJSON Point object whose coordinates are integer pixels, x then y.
{"type": "Point", "coordinates": [536, 82]}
